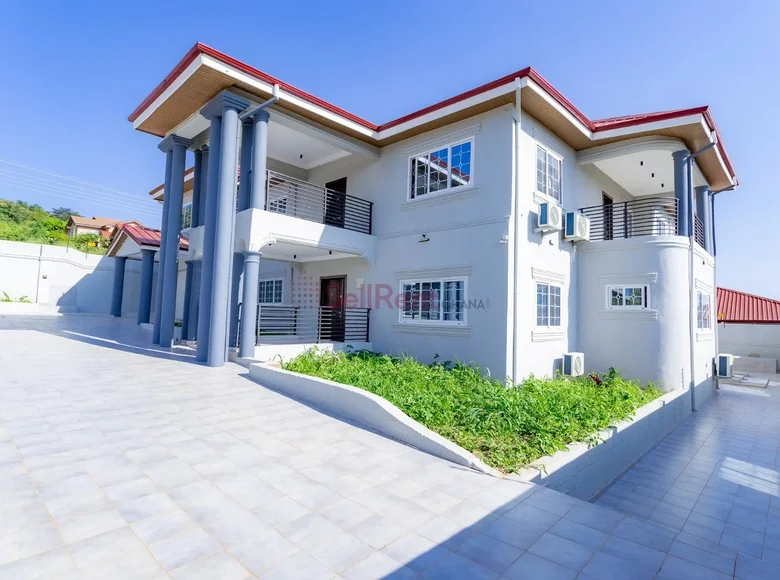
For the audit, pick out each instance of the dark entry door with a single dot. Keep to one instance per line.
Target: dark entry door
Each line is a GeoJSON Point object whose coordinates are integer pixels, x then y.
{"type": "Point", "coordinates": [332, 313]}
{"type": "Point", "coordinates": [609, 228]}
{"type": "Point", "coordinates": [336, 202]}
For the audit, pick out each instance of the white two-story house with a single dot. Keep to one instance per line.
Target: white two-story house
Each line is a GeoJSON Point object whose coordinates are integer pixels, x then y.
{"type": "Point", "coordinates": [441, 233]}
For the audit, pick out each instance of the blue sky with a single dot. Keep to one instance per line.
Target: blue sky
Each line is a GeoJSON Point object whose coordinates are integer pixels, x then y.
{"type": "Point", "coordinates": [72, 73]}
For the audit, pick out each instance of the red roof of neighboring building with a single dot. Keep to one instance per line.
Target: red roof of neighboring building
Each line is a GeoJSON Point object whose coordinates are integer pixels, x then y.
{"type": "Point", "coordinates": [734, 306]}
{"type": "Point", "coordinates": [144, 236]}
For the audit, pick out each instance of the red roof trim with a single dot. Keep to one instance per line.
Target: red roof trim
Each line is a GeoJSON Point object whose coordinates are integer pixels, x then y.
{"type": "Point", "coordinates": [743, 308]}
{"type": "Point", "coordinates": [595, 126]}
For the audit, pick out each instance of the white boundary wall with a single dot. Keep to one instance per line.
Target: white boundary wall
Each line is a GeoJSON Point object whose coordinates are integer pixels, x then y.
{"type": "Point", "coordinates": [65, 277]}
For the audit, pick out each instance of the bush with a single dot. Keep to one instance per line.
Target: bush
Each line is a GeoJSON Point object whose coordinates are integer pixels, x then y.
{"type": "Point", "coordinates": [506, 427]}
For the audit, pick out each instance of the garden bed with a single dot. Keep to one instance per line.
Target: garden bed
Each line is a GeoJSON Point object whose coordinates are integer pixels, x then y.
{"type": "Point", "coordinates": [507, 428]}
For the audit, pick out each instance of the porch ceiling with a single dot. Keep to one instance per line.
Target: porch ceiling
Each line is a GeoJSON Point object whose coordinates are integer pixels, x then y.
{"type": "Point", "coordinates": [298, 253]}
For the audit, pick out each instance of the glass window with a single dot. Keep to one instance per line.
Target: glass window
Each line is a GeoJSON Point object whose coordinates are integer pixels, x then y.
{"type": "Point", "coordinates": [439, 301]}
{"type": "Point", "coordinates": [548, 173]}
{"type": "Point", "coordinates": [441, 170]}
{"type": "Point", "coordinates": [186, 216]}
{"type": "Point", "coordinates": [548, 305]}
{"type": "Point", "coordinates": [703, 316]}
{"type": "Point", "coordinates": [270, 291]}
{"type": "Point", "coordinates": [627, 296]}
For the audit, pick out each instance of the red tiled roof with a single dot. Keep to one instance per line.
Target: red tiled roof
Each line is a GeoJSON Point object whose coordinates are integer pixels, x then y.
{"type": "Point", "coordinates": [144, 236]}
{"type": "Point", "coordinates": [734, 306]}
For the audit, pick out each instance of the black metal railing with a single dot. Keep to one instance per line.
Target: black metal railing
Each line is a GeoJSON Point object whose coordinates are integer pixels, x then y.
{"type": "Point", "coordinates": [655, 216]}
{"type": "Point", "coordinates": [281, 324]}
{"type": "Point", "coordinates": [297, 198]}
{"type": "Point", "coordinates": [698, 230]}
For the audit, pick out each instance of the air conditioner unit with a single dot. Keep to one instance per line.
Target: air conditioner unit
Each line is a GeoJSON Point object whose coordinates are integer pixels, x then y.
{"type": "Point", "coordinates": [724, 365]}
{"type": "Point", "coordinates": [573, 364]}
{"type": "Point", "coordinates": [550, 218]}
{"type": "Point", "coordinates": [577, 227]}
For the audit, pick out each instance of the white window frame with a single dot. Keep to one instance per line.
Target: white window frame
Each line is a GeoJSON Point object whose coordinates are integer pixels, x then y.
{"type": "Point", "coordinates": [559, 158]}
{"type": "Point", "coordinates": [266, 280]}
{"type": "Point", "coordinates": [440, 322]}
{"type": "Point", "coordinates": [449, 189]}
{"type": "Point", "coordinates": [700, 296]}
{"type": "Point", "coordinates": [548, 326]}
{"type": "Point", "coordinates": [184, 211]}
{"type": "Point", "coordinates": [623, 287]}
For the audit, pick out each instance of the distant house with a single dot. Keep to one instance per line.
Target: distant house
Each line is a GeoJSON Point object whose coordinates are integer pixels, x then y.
{"type": "Point", "coordinates": [101, 226]}
{"type": "Point", "coordinates": [749, 327]}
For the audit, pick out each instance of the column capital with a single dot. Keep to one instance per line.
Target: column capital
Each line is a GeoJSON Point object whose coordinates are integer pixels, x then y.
{"type": "Point", "coordinates": [702, 188]}
{"type": "Point", "coordinates": [248, 120]}
{"type": "Point", "coordinates": [224, 100]}
{"type": "Point", "coordinates": [204, 149]}
{"type": "Point", "coordinates": [252, 256]}
{"type": "Point", "coordinates": [170, 141]}
{"type": "Point", "coordinates": [681, 154]}
{"type": "Point", "coordinates": [148, 251]}
{"type": "Point", "coordinates": [261, 116]}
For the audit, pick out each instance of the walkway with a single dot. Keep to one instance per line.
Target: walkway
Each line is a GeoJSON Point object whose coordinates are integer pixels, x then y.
{"type": "Point", "coordinates": [118, 460]}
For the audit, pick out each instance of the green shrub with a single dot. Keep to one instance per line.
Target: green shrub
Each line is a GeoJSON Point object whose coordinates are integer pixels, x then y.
{"type": "Point", "coordinates": [506, 427]}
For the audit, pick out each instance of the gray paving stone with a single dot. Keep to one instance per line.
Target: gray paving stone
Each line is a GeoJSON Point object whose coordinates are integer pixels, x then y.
{"type": "Point", "coordinates": [531, 566]}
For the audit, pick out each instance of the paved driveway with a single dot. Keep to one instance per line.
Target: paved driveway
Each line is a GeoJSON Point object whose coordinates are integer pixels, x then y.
{"type": "Point", "coordinates": [121, 461]}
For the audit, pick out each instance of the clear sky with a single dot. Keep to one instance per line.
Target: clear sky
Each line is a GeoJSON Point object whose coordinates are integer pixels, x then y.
{"type": "Point", "coordinates": [72, 72]}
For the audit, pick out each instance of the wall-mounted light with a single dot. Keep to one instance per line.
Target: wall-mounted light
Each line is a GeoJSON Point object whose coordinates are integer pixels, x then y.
{"type": "Point", "coordinates": [424, 238]}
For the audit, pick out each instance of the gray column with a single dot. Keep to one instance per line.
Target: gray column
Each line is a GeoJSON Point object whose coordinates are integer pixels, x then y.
{"type": "Point", "coordinates": [244, 178]}
{"type": "Point", "coordinates": [703, 210]}
{"type": "Point", "coordinates": [161, 263]}
{"type": "Point", "coordinates": [196, 178]}
{"type": "Point", "coordinates": [185, 316]}
{"type": "Point", "coordinates": [170, 270]}
{"type": "Point", "coordinates": [249, 305]}
{"type": "Point", "coordinates": [119, 286]}
{"type": "Point", "coordinates": [194, 301]}
{"type": "Point", "coordinates": [145, 293]}
{"type": "Point", "coordinates": [235, 297]}
{"type": "Point", "coordinates": [257, 190]}
{"type": "Point", "coordinates": [681, 169]}
{"type": "Point", "coordinates": [229, 105]}
{"type": "Point", "coordinates": [209, 228]}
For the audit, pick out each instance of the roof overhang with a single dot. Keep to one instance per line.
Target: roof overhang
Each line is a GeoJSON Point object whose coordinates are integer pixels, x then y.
{"type": "Point", "coordinates": [204, 72]}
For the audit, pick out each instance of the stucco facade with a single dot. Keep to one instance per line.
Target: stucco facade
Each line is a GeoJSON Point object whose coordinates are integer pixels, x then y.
{"type": "Point", "coordinates": [326, 200]}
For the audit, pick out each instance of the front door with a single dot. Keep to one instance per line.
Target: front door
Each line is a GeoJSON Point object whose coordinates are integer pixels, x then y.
{"type": "Point", "coordinates": [332, 314]}
{"type": "Point", "coordinates": [336, 202]}
{"type": "Point", "coordinates": [606, 201]}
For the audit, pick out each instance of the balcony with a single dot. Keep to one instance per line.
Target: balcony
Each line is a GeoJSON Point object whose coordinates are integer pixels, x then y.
{"type": "Point", "coordinates": [297, 198]}
{"type": "Point", "coordinates": [304, 222]}
{"type": "Point", "coordinates": [654, 216]}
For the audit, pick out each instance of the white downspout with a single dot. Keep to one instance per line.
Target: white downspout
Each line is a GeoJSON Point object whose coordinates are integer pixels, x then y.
{"type": "Point", "coordinates": [515, 213]}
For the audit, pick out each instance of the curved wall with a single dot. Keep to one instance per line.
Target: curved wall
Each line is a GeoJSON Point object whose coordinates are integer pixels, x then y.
{"type": "Point", "coordinates": [650, 344]}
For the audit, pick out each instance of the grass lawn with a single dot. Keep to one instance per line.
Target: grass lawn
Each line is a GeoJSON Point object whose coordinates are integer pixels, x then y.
{"type": "Point", "coordinates": [507, 428]}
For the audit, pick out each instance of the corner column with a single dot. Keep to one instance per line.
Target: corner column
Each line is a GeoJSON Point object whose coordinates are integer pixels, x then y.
{"type": "Point", "coordinates": [119, 285]}
{"type": "Point", "coordinates": [145, 294]}
{"type": "Point", "coordinates": [161, 262]}
{"type": "Point", "coordinates": [174, 194]}
{"type": "Point", "coordinates": [226, 105]}
{"type": "Point", "coordinates": [209, 204]}
{"type": "Point", "coordinates": [703, 210]}
{"type": "Point", "coordinates": [249, 305]}
{"type": "Point", "coordinates": [257, 200]}
{"type": "Point", "coordinates": [681, 169]}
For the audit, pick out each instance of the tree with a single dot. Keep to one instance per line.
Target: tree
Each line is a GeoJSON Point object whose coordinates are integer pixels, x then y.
{"type": "Point", "coordinates": [63, 213]}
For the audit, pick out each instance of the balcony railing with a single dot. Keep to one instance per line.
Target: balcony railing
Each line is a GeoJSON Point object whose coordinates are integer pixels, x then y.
{"type": "Point", "coordinates": [301, 199]}
{"type": "Point", "coordinates": [698, 230]}
{"type": "Point", "coordinates": [655, 216]}
{"type": "Point", "coordinates": [280, 324]}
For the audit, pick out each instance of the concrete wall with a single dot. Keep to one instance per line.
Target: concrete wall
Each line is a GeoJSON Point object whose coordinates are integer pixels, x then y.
{"type": "Point", "coordinates": [547, 257]}
{"type": "Point", "coordinates": [747, 340]}
{"type": "Point", "coordinates": [64, 277]}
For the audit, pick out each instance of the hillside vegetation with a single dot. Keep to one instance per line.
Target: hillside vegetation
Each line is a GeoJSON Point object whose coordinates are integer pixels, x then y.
{"type": "Point", "coordinates": [24, 222]}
